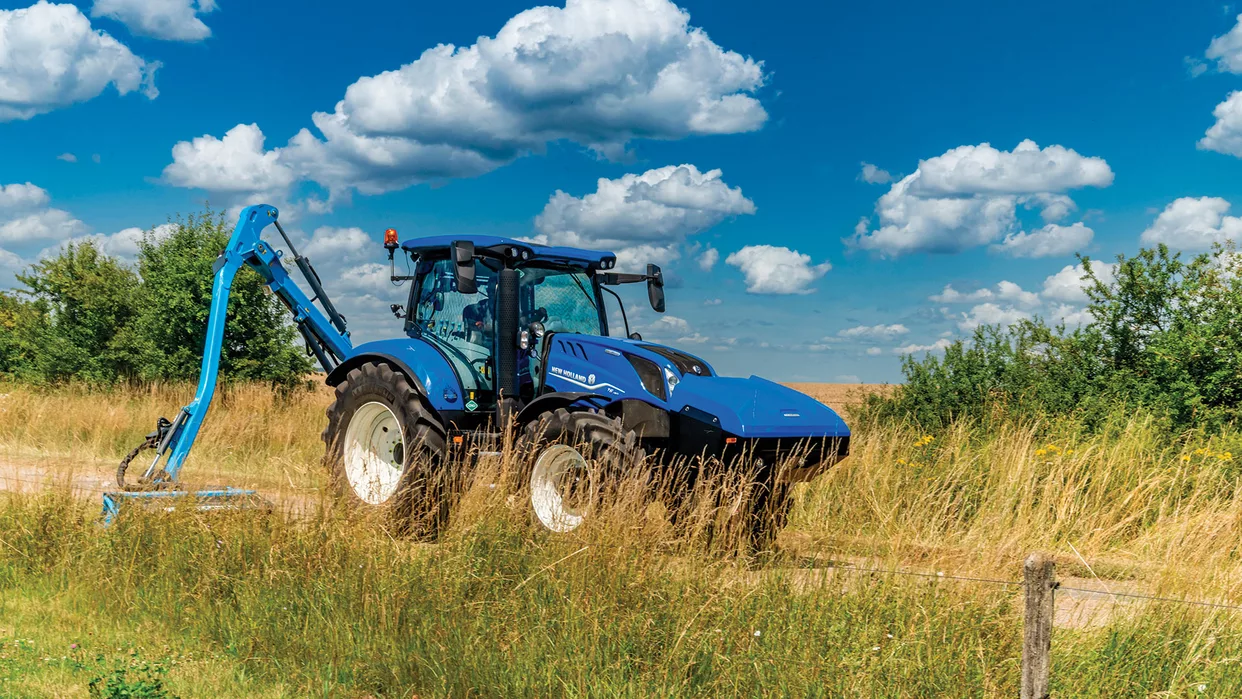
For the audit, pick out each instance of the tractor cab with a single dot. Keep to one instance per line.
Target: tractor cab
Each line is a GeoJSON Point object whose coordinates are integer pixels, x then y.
{"type": "Point", "coordinates": [488, 305]}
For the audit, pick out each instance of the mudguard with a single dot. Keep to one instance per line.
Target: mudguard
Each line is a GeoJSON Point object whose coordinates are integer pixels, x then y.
{"type": "Point", "coordinates": [549, 402]}
{"type": "Point", "coordinates": [430, 372]}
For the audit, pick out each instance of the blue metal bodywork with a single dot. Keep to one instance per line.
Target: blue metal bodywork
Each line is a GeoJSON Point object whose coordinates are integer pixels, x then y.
{"type": "Point", "coordinates": [438, 245]}
{"type": "Point", "coordinates": [423, 364]}
{"type": "Point", "coordinates": [746, 407]}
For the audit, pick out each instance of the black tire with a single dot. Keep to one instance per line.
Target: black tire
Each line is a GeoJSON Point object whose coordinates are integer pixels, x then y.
{"type": "Point", "coordinates": [600, 440]}
{"type": "Point", "coordinates": [769, 514]}
{"type": "Point", "coordinates": [420, 502]}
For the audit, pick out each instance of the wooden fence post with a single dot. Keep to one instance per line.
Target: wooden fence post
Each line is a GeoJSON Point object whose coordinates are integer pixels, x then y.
{"type": "Point", "coordinates": [1037, 626]}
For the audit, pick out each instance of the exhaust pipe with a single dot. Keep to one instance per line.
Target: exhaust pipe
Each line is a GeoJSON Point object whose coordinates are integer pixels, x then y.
{"type": "Point", "coordinates": [506, 345]}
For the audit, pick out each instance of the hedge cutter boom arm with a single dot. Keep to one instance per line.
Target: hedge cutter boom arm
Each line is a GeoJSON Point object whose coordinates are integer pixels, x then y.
{"type": "Point", "coordinates": [324, 331]}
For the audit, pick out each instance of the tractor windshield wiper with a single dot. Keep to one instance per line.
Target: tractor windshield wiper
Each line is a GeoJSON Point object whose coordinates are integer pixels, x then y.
{"type": "Point", "coordinates": [584, 291]}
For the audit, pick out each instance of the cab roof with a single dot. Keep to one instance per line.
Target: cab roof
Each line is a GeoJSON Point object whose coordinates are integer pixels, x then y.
{"type": "Point", "coordinates": [438, 246]}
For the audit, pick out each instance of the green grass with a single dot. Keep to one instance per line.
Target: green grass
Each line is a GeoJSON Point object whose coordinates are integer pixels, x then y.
{"type": "Point", "coordinates": [326, 607]}
{"type": "Point", "coordinates": [258, 605]}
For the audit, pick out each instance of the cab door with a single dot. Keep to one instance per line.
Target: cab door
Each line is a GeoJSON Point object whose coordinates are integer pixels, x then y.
{"type": "Point", "coordinates": [462, 327]}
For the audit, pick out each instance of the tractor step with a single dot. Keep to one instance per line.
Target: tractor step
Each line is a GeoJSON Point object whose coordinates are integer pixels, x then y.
{"type": "Point", "coordinates": [210, 499]}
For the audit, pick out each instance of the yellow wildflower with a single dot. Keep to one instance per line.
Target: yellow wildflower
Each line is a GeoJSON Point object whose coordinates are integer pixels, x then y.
{"type": "Point", "coordinates": [901, 462]}
{"type": "Point", "coordinates": [1040, 452]}
{"type": "Point", "coordinates": [1185, 457]}
{"type": "Point", "coordinates": [1227, 456]}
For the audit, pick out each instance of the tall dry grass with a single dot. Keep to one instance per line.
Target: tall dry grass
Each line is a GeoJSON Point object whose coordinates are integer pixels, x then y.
{"type": "Point", "coordinates": [1130, 501]}
{"type": "Point", "coordinates": [253, 433]}
{"type": "Point", "coordinates": [1129, 497]}
{"type": "Point", "coordinates": [639, 602]}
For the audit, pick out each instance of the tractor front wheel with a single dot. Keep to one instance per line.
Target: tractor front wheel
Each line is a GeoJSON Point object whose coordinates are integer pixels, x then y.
{"type": "Point", "coordinates": [570, 455]}
{"type": "Point", "coordinates": [385, 451]}
{"type": "Point", "coordinates": [769, 512]}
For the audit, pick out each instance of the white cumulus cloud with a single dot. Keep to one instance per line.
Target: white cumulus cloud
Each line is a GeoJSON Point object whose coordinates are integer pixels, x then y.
{"type": "Point", "coordinates": [872, 174]}
{"type": "Point", "coordinates": [1068, 284]}
{"type": "Point", "coordinates": [26, 219]}
{"type": "Point", "coordinates": [1009, 291]}
{"type": "Point", "coordinates": [992, 314]}
{"type": "Point", "coordinates": [235, 164]}
{"type": "Point", "coordinates": [48, 224]}
{"type": "Point", "coordinates": [951, 295]}
{"type": "Point", "coordinates": [642, 217]}
{"type": "Point", "coordinates": [337, 244]}
{"type": "Point", "coordinates": [1005, 291]}
{"type": "Point", "coordinates": [600, 73]}
{"type": "Point", "coordinates": [22, 196]}
{"type": "Point", "coordinates": [937, 346]}
{"type": "Point", "coordinates": [1225, 136]}
{"type": "Point", "coordinates": [708, 259]}
{"type": "Point", "coordinates": [969, 196]}
{"type": "Point", "coordinates": [769, 269]}
{"type": "Point", "coordinates": [51, 57]}
{"type": "Point", "coordinates": [1191, 223]}
{"type": "Point", "coordinates": [1050, 241]}
{"type": "Point", "coordinates": [878, 332]}
{"type": "Point", "coordinates": [173, 20]}
{"type": "Point", "coordinates": [123, 244]}
{"type": "Point", "coordinates": [1226, 50]}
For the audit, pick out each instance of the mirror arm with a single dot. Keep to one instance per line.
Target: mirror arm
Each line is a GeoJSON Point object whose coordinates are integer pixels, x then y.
{"type": "Point", "coordinates": [621, 305]}
{"type": "Point", "coordinates": [615, 278]}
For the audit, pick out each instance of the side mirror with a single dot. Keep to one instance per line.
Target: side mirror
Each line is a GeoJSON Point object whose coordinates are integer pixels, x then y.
{"type": "Point", "coordinates": [655, 288]}
{"type": "Point", "coordinates": [635, 336]}
{"type": "Point", "coordinates": [463, 267]}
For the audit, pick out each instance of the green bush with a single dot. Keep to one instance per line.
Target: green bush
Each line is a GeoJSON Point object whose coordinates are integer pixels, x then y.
{"type": "Point", "coordinates": [175, 298]}
{"type": "Point", "coordinates": [82, 315]}
{"type": "Point", "coordinates": [1162, 338]}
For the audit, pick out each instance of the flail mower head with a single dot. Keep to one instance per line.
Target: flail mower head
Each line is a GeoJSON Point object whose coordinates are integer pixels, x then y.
{"type": "Point", "coordinates": [155, 491]}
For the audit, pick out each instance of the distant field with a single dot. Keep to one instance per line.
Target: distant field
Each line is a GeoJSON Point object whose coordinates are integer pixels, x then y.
{"type": "Point", "coordinates": [839, 396]}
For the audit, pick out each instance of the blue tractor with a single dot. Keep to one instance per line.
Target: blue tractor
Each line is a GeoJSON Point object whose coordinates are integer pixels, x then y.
{"type": "Point", "coordinates": [499, 332]}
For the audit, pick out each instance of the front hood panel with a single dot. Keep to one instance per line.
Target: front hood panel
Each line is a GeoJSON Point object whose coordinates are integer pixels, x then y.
{"type": "Point", "coordinates": [756, 407]}
{"type": "Point", "coordinates": [747, 407]}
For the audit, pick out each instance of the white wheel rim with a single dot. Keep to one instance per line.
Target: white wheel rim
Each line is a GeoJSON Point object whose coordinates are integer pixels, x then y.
{"type": "Point", "coordinates": [548, 481]}
{"type": "Point", "coordinates": [374, 453]}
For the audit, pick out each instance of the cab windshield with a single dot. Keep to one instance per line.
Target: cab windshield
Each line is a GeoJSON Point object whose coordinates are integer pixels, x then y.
{"type": "Point", "coordinates": [562, 298]}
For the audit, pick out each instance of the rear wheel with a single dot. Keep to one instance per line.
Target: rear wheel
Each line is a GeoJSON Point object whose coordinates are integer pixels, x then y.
{"type": "Point", "coordinates": [573, 452]}
{"type": "Point", "coordinates": [385, 451]}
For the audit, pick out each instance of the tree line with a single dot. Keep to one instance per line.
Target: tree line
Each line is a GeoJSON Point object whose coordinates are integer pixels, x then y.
{"type": "Point", "coordinates": [86, 316]}
{"type": "Point", "coordinates": [1163, 336]}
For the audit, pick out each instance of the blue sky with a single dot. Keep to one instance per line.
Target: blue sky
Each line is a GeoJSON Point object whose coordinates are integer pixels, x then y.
{"type": "Point", "coordinates": [1108, 129]}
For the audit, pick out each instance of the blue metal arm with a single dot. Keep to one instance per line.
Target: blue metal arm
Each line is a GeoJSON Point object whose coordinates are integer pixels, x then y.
{"type": "Point", "coordinates": [245, 247]}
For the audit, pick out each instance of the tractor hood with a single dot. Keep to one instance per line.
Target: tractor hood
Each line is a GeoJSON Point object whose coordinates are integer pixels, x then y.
{"type": "Point", "coordinates": [746, 407]}
{"type": "Point", "coordinates": [756, 407]}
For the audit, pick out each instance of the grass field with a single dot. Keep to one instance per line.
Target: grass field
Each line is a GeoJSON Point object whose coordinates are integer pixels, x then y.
{"type": "Point", "coordinates": [321, 604]}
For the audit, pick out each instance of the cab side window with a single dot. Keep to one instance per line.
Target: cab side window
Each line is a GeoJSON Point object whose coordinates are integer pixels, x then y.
{"type": "Point", "coordinates": [461, 325]}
